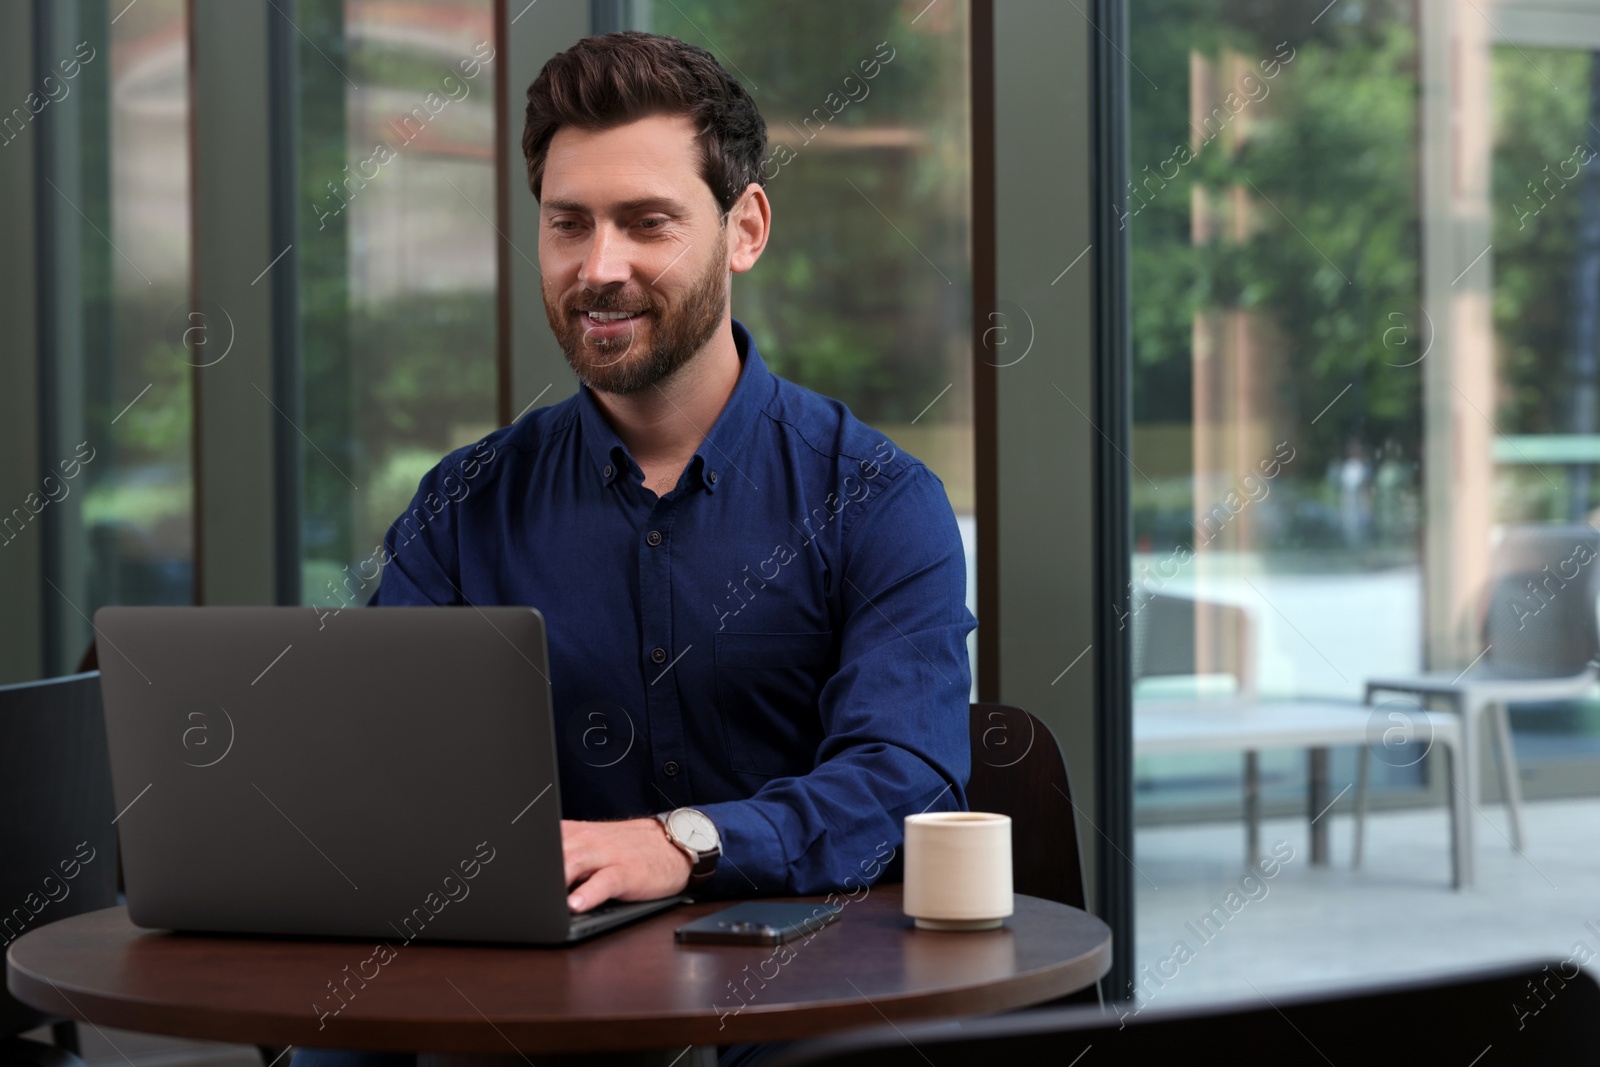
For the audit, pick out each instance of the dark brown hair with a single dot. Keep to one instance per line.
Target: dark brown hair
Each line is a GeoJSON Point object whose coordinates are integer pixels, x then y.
{"type": "Point", "coordinates": [616, 78]}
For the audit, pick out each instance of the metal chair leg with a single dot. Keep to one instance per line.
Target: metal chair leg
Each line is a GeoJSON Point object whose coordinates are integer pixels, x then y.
{"type": "Point", "coordinates": [1460, 820]}
{"type": "Point", "coordinates": [1510, 782]}
{"type": "Point", "coordinates": [1467, 770]}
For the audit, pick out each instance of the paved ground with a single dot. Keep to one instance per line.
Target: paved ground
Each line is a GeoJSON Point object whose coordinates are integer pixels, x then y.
{"type": "Point", "coordinates": [1398, 916]}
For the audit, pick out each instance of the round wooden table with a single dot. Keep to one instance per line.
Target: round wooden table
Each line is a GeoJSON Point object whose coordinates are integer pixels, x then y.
{"type": "Point", "coordinates": [630, 990]}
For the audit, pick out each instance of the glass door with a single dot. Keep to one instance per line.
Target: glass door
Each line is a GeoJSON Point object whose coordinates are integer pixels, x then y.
{"type": "Point", "coordinates": [1365, 260]}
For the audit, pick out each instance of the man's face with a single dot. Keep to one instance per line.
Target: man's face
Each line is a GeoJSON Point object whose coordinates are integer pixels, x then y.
{"type": "Point", "coordinates": [633, 251]}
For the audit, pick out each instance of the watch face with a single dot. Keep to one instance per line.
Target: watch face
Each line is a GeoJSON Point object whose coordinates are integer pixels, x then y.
{"type": "Point", "coordinates": [691, 827]}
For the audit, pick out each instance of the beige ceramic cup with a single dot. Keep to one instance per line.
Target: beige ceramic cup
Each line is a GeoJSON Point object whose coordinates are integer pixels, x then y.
{"type": "Point", "coordinates": [958, 870]}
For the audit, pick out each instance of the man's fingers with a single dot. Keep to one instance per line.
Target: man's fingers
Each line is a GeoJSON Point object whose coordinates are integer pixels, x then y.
{"type": "Point", "coordinates": [629, 860]}
{"type": "Point", "coordinates": [577, 852]}
{"type": "Point", "coordinates": [601, 887]}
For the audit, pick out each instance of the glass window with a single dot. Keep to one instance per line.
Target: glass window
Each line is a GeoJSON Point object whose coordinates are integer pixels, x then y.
{"type": "Point", "coordinates": [863, 293]}
{"type": "Point", "coordinates": [1365, 293]}
{"type": "Point", "coordinates": [397, 262]}
{"type": "Point", "coordinates": [1544, 279]}
{"type": "Point", "coordinates": [118, 434]}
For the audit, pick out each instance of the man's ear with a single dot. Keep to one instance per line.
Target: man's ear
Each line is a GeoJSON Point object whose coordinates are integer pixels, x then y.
{"type": "Point", "coordinates": [749, 224]}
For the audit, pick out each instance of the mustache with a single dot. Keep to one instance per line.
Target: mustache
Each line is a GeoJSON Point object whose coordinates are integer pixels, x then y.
{"type": "Point", "coordinates": [607, 302]}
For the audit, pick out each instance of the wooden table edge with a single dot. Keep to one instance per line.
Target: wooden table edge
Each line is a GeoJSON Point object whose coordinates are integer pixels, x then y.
{"type": "Point", "coordinates": [775, 1022]}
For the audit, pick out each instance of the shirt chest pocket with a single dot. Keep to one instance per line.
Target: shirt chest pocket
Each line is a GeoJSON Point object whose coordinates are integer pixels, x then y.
{"type": "Point", "coordinates": [767, 689]}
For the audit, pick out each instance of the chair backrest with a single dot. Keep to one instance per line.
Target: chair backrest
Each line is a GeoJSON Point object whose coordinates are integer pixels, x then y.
{"type": "Point", "coordinates": [1178, 635]}
{"type": "Point", "coordinates": [1018, 770]}
{"type": "Point", "coordinates": [1539, 620]}
{"type": "Point", "coordinates": [1449, 1019]}
{"type": "Point", "coordinates": [58, 848]}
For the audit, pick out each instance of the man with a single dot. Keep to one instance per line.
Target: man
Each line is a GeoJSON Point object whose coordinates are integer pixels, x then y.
{"type": "Point", "coordinates": [755, 603]}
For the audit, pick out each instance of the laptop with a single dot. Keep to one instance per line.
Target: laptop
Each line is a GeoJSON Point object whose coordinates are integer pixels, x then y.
{"type": "Point", "coordinates": [385, 773]}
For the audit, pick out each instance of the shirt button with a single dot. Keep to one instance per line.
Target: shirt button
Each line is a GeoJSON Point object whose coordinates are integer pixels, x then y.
{"type": "Point", "coordinates": [711, 476]}
{"type": "Point", "coordinates": [653, 538]}
{"type": "Point", "coordinates": [671, 767]}
{"type": "Point", "coordinates": [659, 655]}
{"type": "Point", "coordinates": [607, 471]}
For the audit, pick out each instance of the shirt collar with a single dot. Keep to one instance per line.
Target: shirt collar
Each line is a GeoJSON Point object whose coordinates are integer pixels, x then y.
{"type": "Point", "coordinates": [713, 462]}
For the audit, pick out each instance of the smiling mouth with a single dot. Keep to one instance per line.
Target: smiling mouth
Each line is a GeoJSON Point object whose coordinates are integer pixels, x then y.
{"type": "Point", "coordinates": [601, 318]}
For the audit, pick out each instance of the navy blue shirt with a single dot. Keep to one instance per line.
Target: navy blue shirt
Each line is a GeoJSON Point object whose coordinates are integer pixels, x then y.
{"type": "Point", "coordinates": [780, 641]}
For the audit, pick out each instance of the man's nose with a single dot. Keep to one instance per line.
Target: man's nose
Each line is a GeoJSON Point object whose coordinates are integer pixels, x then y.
{"type": "Point", "coordinates": [607, 262]}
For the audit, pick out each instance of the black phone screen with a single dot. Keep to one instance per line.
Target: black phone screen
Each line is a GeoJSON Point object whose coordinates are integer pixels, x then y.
{"type": "Point", "coordinates": [758, 922]}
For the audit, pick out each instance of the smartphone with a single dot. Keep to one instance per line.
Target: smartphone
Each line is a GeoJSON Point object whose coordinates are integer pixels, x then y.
{"type": "Point", "coordinates": [759, 922]}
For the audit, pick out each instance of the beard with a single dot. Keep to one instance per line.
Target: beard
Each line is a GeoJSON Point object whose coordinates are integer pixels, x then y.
{"type": "Point", "coordinates": [625, 364]}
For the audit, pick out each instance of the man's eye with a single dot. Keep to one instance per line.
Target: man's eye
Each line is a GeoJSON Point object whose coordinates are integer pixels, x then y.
{"type": "Point", "coordinates": [652, 224]}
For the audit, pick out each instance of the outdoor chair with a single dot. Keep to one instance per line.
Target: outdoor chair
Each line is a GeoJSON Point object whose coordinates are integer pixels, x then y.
{"type": "Point", "coordinates": [1540, 644]}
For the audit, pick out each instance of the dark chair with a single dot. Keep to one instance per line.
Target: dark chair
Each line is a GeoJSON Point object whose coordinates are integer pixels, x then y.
{"type": "Point", "coordinates": [1018, 770]}
{"type": "Point", "coordinates": [58, 847]}
{"type": "Point", "coordinates": [1528, 1014]}
{"type": "Point", "coordinates": [270, 1054]}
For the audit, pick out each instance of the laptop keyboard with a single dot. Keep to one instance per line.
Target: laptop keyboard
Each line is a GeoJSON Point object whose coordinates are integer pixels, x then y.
{"type": "Point", "coordinates": [606, 913]}
{"type": "Point", "coordinates": [599, 912]}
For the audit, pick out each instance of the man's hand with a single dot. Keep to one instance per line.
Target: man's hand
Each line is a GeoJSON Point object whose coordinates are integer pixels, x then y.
{"type": "Point", "coordinates": [630, 860]}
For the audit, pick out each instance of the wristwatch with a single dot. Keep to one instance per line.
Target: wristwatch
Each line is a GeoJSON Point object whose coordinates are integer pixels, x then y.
{"type": "Point", "coordinates": [695, 833]}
